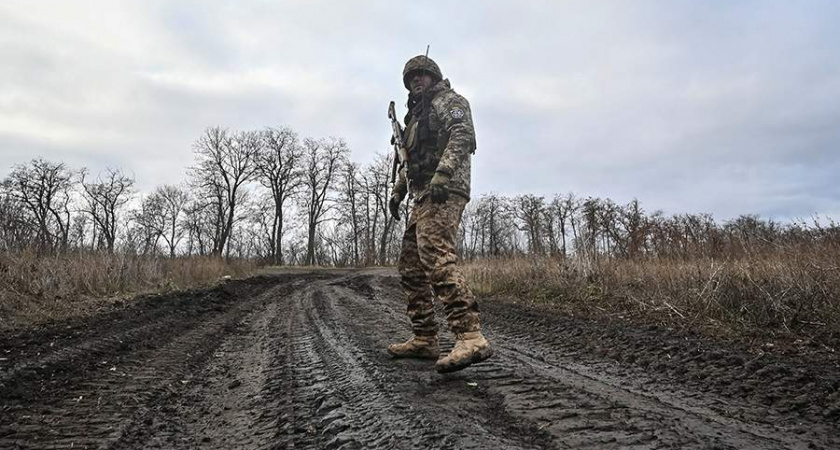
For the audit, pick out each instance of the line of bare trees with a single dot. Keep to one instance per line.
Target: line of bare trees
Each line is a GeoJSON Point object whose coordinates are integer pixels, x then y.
{"type": "Point", "coordinates": [263, 194]}
{"type": "Point", "coordinates": [46, 207]}
{"type": "Point", "coordinates": [268, 194]}
{"type": "Point", "coordinates": [593, 228]}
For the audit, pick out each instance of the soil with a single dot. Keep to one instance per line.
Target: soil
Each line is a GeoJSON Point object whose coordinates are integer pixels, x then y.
{"type": "Point", "coordinates": [298, 360]}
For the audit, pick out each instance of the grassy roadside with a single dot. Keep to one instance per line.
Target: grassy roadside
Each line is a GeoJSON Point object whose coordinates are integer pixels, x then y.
{"type": "Point", "coordinates": [37, 289]}
{"type": "Point", "coordinates": [789, 297]}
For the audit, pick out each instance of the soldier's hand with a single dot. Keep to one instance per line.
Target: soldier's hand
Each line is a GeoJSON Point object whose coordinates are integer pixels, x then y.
{"type": "Point", "coordinates": [394, 206]}
{"type": "Point", "coordinates": [439, 188]}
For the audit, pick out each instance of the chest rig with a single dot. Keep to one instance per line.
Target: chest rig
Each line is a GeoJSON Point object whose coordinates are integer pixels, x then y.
{"type": "Point", "coordinates": [425, 139]}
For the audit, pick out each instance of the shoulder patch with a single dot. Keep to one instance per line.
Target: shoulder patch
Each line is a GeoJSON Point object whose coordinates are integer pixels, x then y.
{"type": "Point", "coordinates": [457, 113]}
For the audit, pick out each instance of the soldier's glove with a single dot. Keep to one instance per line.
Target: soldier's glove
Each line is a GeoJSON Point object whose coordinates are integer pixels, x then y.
{"type": "Point", "coordinates": [396, 199]}
{"type": "Point", "coordinates": [439, 187]}
{"type": "Point", "coordinates": [394, 206]}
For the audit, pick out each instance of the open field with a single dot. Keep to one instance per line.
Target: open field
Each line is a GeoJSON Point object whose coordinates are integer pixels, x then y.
{"type": "Point", "coordinates": [41, 288]}
{"type": "Point", "coordinates": [787, 298]}
{"type": "Point", "coordinates": [296, 360]}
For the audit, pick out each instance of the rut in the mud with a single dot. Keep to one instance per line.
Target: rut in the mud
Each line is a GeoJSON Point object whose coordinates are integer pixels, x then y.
{"type": "Point", "coordinates": [298, 361]}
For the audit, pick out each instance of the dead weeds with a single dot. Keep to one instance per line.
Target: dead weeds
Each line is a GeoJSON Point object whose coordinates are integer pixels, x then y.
{"type": "Point", "coordinates": [787, 297]}
{"type": "Point", "coordinates": [35, 289]}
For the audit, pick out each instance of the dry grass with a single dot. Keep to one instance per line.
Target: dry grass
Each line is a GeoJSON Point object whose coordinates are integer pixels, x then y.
{"type": "Point", "coordinates": [787, 294]}
{"type": "Point", "coordinates": [35, 289]}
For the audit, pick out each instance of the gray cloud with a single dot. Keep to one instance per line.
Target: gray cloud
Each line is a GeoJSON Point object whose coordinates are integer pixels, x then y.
{"type": "Point", "coordinates": [716, 106]}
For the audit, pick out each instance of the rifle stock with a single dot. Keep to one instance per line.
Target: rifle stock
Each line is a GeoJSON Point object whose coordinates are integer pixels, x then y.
{"type": "Point", "coordinates": [400, 153]}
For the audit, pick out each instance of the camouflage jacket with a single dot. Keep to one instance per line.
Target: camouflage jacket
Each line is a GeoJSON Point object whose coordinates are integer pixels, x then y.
{"type": "Point", "coordinates": [447, 147]}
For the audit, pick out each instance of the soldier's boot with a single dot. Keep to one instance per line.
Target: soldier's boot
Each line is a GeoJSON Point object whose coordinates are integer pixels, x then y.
{"type": "Point", "coordinates": [419, 347]}
{"type": "Point", "coordinates": [470, 348]}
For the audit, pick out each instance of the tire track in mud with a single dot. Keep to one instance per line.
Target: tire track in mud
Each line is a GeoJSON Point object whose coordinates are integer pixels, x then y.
{"type": "Point", "coordinates": [222, 406]}
{"type": "Point", "coordinates": [92, 387]}
{"type": "Point", "coordinates": [690, 403]}
{"type": "Point", "coordinates": [298, 361]}
{"type": "Point", "coordinates": [304, 382]}
{"type": "Point", "coordinates": [464, 413]}
{"type": "Point", "coordinates": [598, 413]}
{"type": "Point", "coordinates": [574, 417]}
{"type": "Point", "coordinates": [347, 405]}
{"type": "Point", "coordinates": [77, 343]}
{"type": "Point", "coordinates": [347, 396]}
{"type": "Point", "coordinates": [583, 406]}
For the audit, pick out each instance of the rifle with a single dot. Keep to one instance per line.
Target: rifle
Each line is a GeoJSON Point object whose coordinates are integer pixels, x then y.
{"type": "Point", "coordinates": [400, 153]}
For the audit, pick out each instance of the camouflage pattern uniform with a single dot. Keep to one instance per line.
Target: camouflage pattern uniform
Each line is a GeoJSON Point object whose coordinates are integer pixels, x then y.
{"type": "Point", "coordinates": [441, 138]}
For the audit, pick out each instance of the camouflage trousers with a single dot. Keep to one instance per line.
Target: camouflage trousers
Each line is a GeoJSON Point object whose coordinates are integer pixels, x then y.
{"type": "Point", "coordinates": [428, 268]}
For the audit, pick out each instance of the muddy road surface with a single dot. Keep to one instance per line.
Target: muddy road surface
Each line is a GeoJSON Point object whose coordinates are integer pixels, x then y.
{"type": "Point", "coordinates": [297, 360]}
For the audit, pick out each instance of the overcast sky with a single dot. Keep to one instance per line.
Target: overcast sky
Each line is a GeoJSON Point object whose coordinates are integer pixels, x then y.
{"type": "Point", "coordinates": [728, 107]}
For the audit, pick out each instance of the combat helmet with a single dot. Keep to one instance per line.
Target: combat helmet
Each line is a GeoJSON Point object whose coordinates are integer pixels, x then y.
{"type": "Point", "coordinates": [418, 63]}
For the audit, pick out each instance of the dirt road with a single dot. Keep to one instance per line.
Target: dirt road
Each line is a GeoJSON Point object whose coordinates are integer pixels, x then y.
{"type": "Point", "coordinates": [298, 360]}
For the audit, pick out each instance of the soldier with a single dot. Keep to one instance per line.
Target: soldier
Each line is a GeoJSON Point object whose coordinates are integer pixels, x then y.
{"type": "Point", "coordinates": [440, 141]}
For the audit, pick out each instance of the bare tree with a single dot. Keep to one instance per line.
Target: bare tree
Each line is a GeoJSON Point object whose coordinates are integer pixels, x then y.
{"type": "Point", "coordinates": [198, 222]}
{"type": "Point", "coordinates": [322, 160]}
{"type": "Point", "coordinates": [104, 198]}
{"type": "Point", "coordinates": [297, 250]}
{"type": "Point", "coordinates": [277, 164]}
{"type": "Point", "coordinates": [495, 225]}
{"type": "Point", "coordinates": [376, 226]}
{"type": "Point", "coordinates": [148, 225]}
{"type": "Point", "coordinates": [168, 202]}
{"type": "Point", "coordinates": [370, 216]}
{"type": "Point", "coordinates": [261, 227]}
{"type": "Point", "coordinates": [350, 198]}
{"type": "Point", "coordinates": [612, 241]}
{"type": "Point", "coordinates": [42, 188]}
{"type": "Point", "coordinates": [337, 245]}
{"type": "Point", "coordinates": [224, 163]}
{"type": "Point", "coordinates": [380, 188]}
{"type": "Point", "coordinates": [16, 232]}
{"type": "Point", "coordinates": [633, 223]}
{"type": "Point", "coordinates": [471, 225]}
{"type": "Point", "coordinates": [530, 211]}
{"type": "Point", "coordinates": [78, 230]}
{"type": "Point", "coordinates": [563, 209]}
{"type": "Point", "coordinates": [591, 230]}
